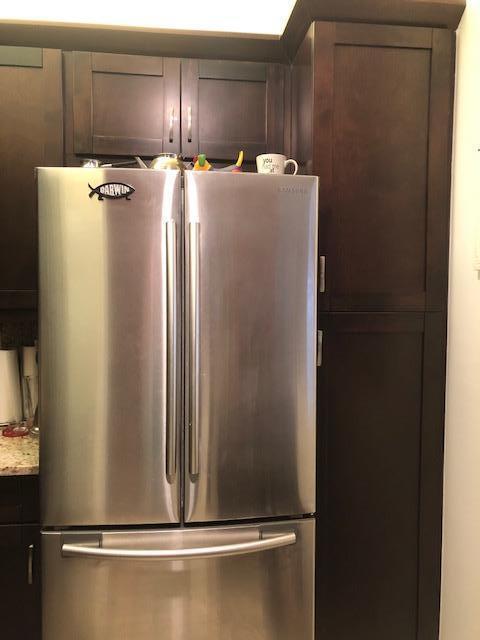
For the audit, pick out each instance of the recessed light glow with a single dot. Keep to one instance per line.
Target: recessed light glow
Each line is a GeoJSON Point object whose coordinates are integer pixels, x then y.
{"type": "Point", "coordinates": [260, 17]}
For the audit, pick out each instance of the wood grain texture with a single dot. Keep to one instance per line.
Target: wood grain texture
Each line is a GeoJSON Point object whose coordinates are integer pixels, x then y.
{"type": "Point", "coordinates": [82, 102]}
{"type": "Point", "coordinates": [322, 139]}
{"type": "Point", "coordinates": [53, 147]}
{"type": "Point", "coordinates": [143, 42]}
{"type": "Point", "coordinates": [117, 63]}
{"type": "Point", "coordinates": [124, 105]}
{"type": "Point", "coordinates": [377, 232]}
{"type": "Point", "coordinates": [232, 108]}
{"type": "Point", "coordinates": [302, 104]}
{"type": "Point", "coordinates": [431, 478]}
{"type": "Point", "coordinates": [439, 168]}
{"type": "Point", "coordinates": [190, 106]}
{"type": "Point", "coordinates": [20, 604]}
{"type": "Point", "coordinates": [427, 13]}
{"type": "Point", "coordinates": [287, 121]}
{"type": "Point", "coordinates": [372, 116]}
{"type": "Point", "coordinates": [370, 427]}
{"type": "Point", "coordinates": [30, 136]}
{"type": "Point", "coordinates": [275, 108]}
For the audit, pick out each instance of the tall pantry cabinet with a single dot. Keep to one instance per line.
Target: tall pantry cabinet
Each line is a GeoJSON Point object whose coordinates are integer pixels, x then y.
{"type": "Point", "coordinates": [372, 116]}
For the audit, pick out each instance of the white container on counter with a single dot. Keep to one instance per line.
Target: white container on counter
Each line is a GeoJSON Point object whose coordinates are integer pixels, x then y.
{"type": "Point", "coordinates": [10, 396]}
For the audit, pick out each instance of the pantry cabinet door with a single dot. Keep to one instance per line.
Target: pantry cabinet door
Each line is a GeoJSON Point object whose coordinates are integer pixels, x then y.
{"type": "Point", "coordinates": [372, 115]}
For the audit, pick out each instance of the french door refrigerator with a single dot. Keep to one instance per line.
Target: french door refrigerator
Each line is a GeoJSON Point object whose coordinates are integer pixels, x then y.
{"type": "Point", "coordinates": [177, 404]}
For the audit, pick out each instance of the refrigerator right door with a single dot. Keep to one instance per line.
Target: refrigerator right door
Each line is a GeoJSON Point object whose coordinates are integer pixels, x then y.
{"type": "Point", "coordinates": [251, 272]}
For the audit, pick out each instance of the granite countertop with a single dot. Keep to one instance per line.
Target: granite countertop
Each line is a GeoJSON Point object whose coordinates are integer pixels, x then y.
{"type": "Point", "coordinates": [18, 456]}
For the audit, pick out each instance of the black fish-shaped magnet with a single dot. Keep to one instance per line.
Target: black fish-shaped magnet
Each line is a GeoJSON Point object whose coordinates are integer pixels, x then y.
{"type": "Point", "coordinates": [111, 191]}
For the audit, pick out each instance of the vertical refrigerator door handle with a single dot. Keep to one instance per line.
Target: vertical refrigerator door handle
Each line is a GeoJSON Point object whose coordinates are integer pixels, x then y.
{"type": "Point", "coordinates": [171, 348]}
{"type": "Point", "coordinates": [194, 367]}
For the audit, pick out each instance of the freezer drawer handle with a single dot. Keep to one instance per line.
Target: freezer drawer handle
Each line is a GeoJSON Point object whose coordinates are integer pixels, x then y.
{"type": "Point", "coordinates": [219, 551]}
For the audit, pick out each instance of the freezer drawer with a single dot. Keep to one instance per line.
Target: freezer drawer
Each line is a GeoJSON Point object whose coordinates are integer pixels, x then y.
{"type": "Point", "coordinates": [251, 345]}
{"type": "Point", "coordinates": [228, 583]}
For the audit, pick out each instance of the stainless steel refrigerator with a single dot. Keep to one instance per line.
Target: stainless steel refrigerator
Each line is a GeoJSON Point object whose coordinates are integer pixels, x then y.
{"type": "Point", "coordinates": [177, 404]}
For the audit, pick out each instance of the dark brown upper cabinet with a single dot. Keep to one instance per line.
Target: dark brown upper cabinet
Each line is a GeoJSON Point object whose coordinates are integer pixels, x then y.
{"type": "Point", "coordinates": [31, 135]}
{"type": "Point", "coordinates": [228, 106]}
{"type": "Point", "coordinates": [123, 105]}
{"type": "Point", "coordinates": [371, 116]}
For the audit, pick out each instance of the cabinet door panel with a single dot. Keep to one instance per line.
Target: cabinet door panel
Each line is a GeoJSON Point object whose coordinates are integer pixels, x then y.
{"type": "Point", "coordinates": [125, 105]}
{"type": "Point", "coordinates": [30, 136]}
{"type": "Point", "coordinates": [380, 435]}
{"type": "Point", "coordinates": [378, 100]}
{"type": "Point", "coordinates": [228, 106]}
{"type": "Point", "coordinates": [370, 434]}
{"type": "Point", "coordinates": [380, 143]}
{"type": "Point", "coordinates": [20, 582]}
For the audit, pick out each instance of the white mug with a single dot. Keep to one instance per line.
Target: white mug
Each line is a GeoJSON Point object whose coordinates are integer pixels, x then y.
{"type": "Point", "coordinates": [275, 163]}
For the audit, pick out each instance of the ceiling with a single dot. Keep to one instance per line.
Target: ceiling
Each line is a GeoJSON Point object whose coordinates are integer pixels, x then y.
{"type": "Point", "coordinates": [253, 17]}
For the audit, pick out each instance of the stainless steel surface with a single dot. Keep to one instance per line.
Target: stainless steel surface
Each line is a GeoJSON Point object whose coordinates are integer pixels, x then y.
{"type": "Point", "coordinates": [102, 348]}
{"type": "Point", "coordinates": [319, 348]}
{"type": "Point", "coordinates": [220, 550]}
{"type": "Point", "coordinates": [30, 564]}
{"type": "Point", "coordinates": [321, 275]}
{"type": "Point", "coordinates": [255, 332]}
{"type": "Point", "coordinates": [265, 596]}
{"type": "Point", "coordinates": [189, 123]}
{"type": "Point", "coordinates": [172, 348]}
{"type": "Point", "coordinates": [194, 342]}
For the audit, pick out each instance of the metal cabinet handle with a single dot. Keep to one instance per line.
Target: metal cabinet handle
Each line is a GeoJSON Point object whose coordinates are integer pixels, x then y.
{"type": "Point", "coordinates": [171, 121]}
{"type": "Point", "coordinates": [30, 564]}
{"type": "Point", "coordinates": [237, 549]}
{"type": "Point", "coordinates": [321, 273]}
{"type": "Point", "coordinates": [171, 344]}
{"type": "Point", "coordinates": [189, 123]}
{"type": "Point", "coordinates": [194, 368]}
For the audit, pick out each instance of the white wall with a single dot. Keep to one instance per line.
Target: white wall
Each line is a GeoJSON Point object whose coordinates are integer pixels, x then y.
{"type": "Point", "coordinates": [460, 609]}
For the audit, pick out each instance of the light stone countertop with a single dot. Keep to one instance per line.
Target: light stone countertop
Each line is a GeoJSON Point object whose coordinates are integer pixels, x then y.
{"type": "Point", "coordinates": [18, 456]}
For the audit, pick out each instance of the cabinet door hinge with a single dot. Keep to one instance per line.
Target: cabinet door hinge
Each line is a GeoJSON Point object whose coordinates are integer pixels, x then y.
{"type": "Point", "coordinates": [319, 348]}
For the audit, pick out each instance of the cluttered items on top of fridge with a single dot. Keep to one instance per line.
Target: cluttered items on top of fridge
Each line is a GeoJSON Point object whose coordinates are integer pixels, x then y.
{"type": "Point", "coordinates": [266, 163]}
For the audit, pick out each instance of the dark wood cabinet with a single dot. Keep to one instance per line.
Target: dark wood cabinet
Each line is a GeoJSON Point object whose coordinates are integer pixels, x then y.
{"type": "Point", "coordinates": [372, 116]}
{"type": "Point", "coordinates": [229, 105]}
{"type": "Point", "coordinates": [31, 135]}
{"type": "Point", "coordinates": [121, 105]}
{"type": "Point", "coordinates": [19, 558]}
{"type": "Point", "coordinates": [20, 608]}
{"type": "Point", "coordinates": [380, 441]}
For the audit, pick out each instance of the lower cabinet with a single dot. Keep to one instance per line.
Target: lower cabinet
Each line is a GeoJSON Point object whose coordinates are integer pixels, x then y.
{"type": "Point", "coordinates": [20, 607]}
{"type": "Point", "coordinates": [380, 441]}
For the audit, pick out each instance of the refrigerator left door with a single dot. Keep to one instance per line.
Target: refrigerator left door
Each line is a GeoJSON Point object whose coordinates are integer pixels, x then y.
{"type": "Point", "coordinates": [109, 345]}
